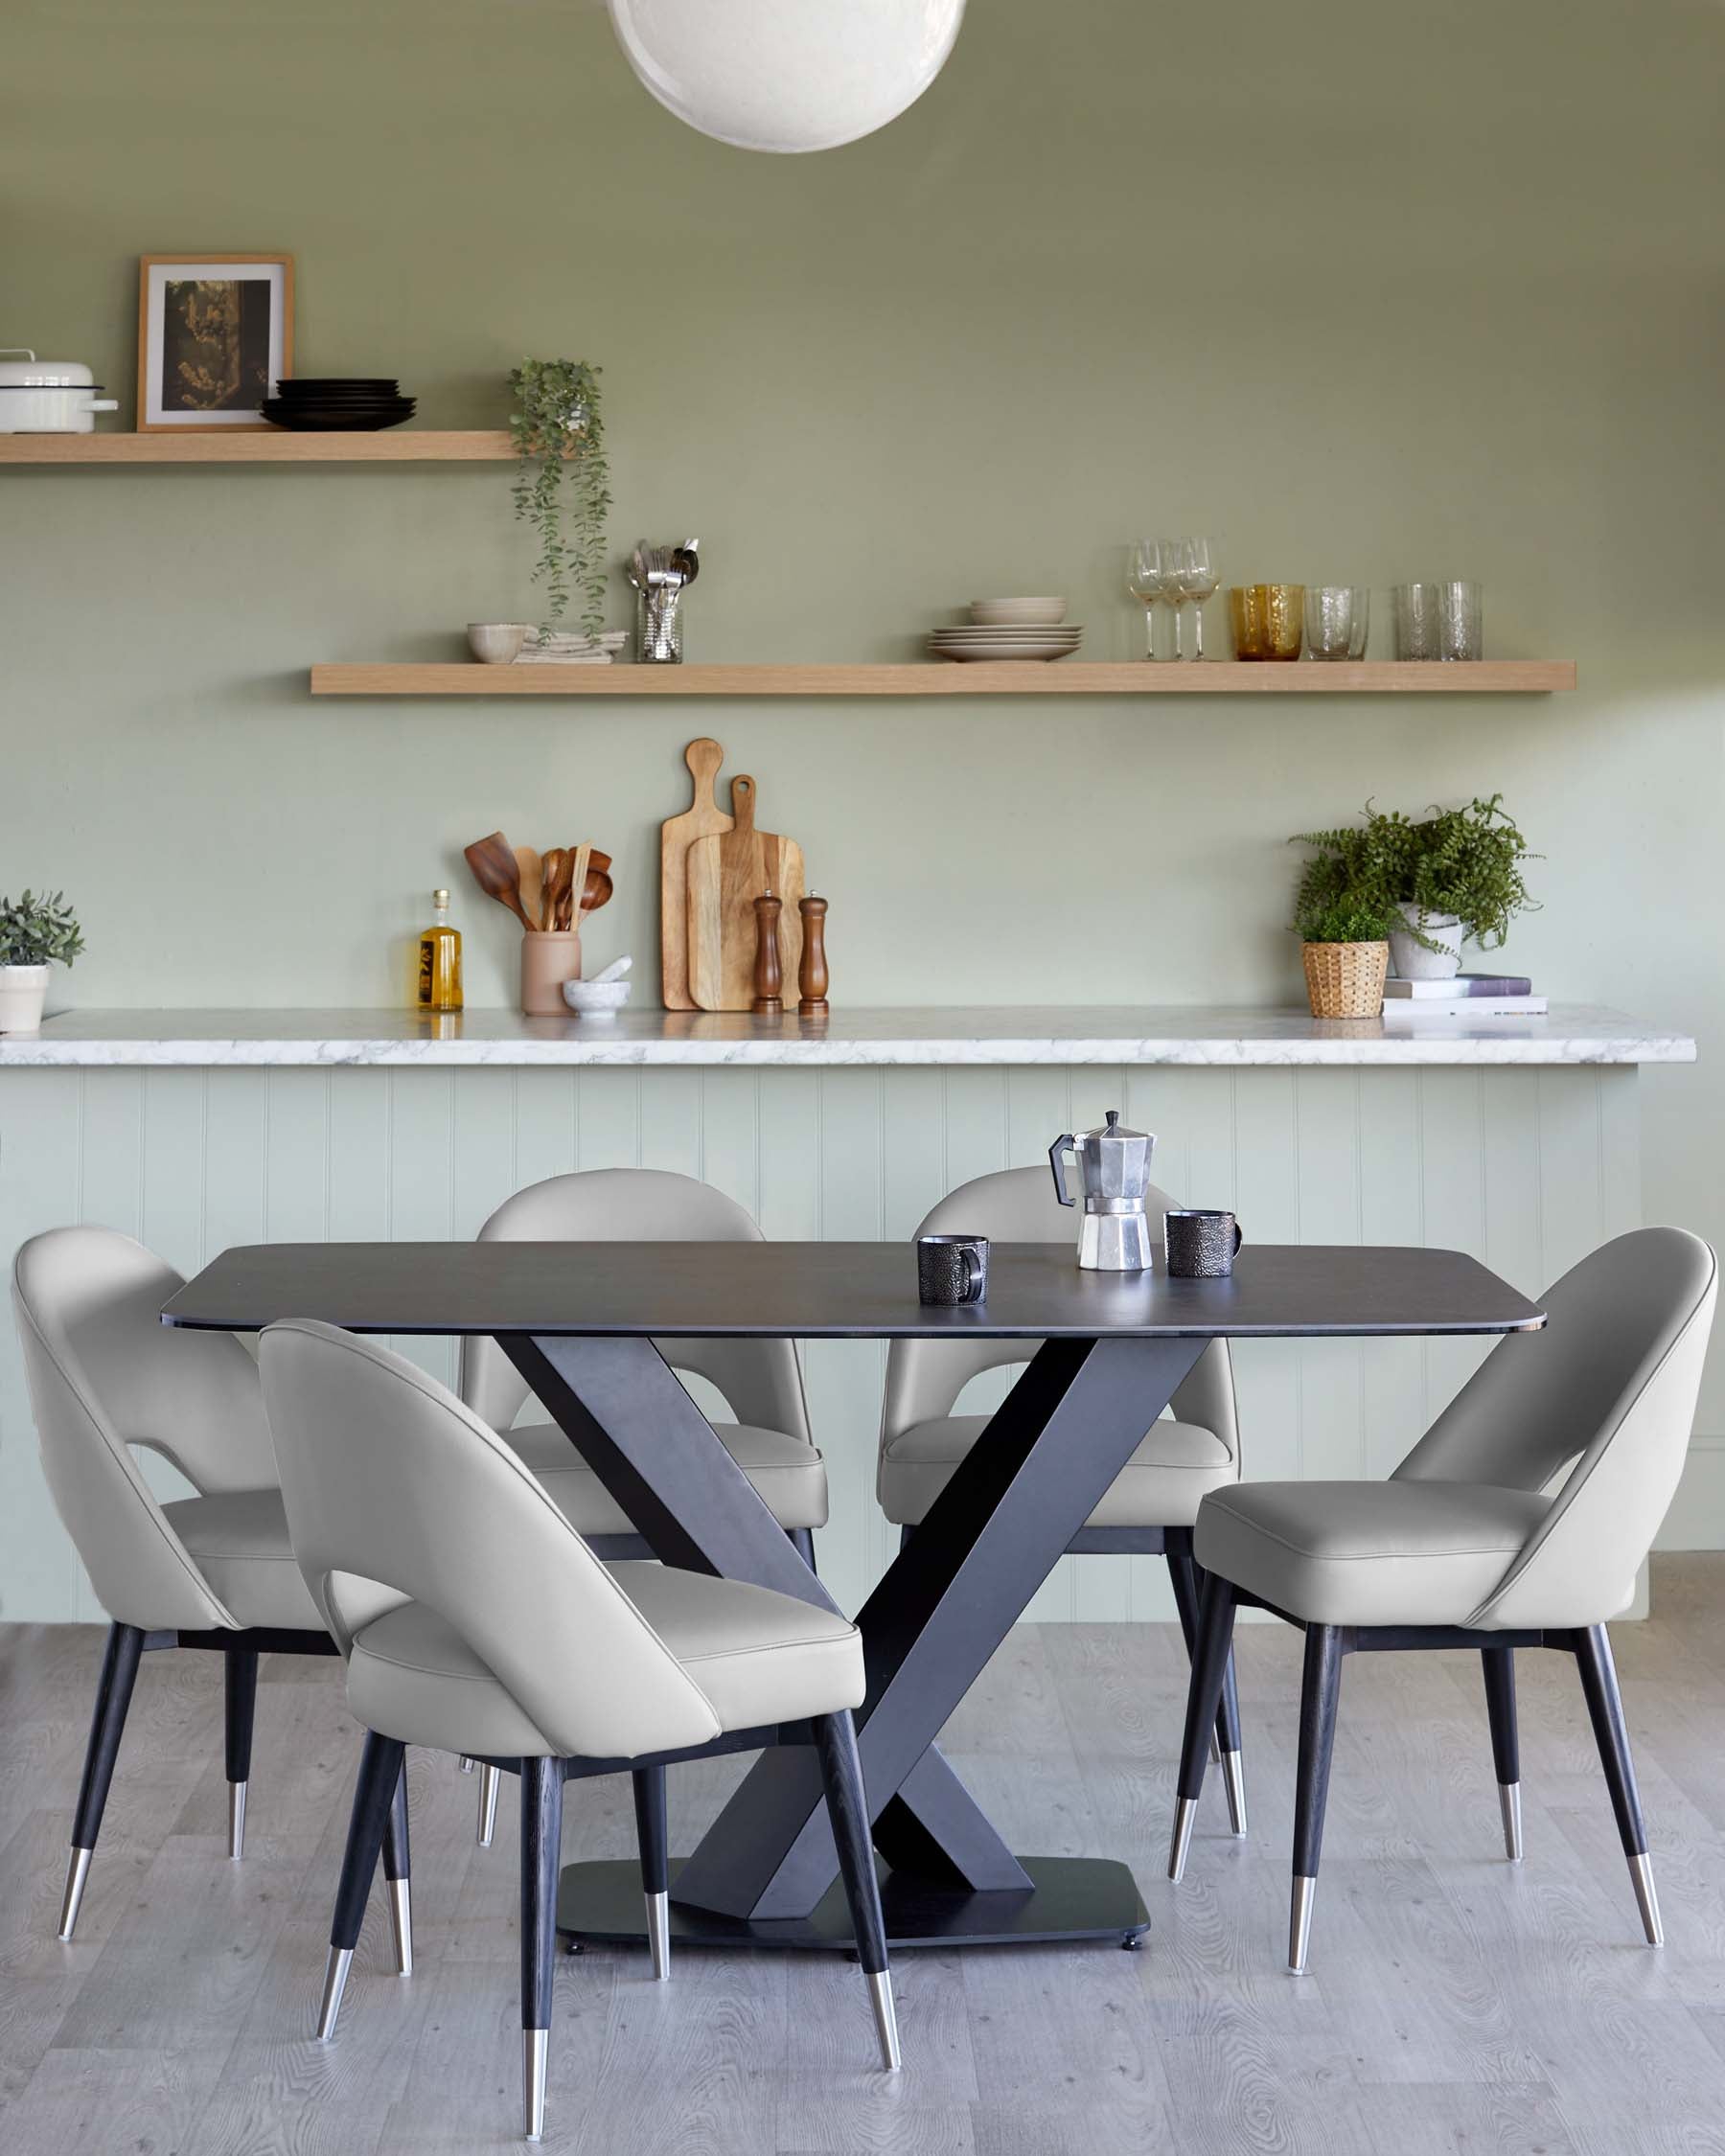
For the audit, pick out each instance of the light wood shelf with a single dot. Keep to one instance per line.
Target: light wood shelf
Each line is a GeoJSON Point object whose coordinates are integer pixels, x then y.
{"type": "Point", "coordinates": [946, 679]}
{"type": "Point", "coordinates": [396, 444]}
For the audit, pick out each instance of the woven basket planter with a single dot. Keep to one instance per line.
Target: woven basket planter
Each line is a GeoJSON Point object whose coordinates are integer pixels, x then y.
{"type": "Point", "coordinates": [1345, 980]}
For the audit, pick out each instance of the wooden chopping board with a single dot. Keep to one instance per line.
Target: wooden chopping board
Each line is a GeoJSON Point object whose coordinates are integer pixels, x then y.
{"type": "Point", "coordinates": [703, 820]}
{"type": "Point", "coordinates": [725, 874]}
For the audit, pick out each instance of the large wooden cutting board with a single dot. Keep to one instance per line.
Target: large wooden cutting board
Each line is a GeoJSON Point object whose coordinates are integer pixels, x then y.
{"type": "Point", "coordinates": [705, 818]}
{"type": "Point", "coordinates": [725, 874]}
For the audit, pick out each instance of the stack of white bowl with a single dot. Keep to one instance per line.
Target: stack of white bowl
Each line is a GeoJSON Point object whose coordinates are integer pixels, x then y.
{"type": "Point", "coordinates": [1010, 629]}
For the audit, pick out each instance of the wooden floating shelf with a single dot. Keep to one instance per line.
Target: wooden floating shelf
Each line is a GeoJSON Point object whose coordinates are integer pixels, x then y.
{"type": "Point", "coordinates": [1010, 678]}
{"type": "Point", "coordinates": [399, 445]}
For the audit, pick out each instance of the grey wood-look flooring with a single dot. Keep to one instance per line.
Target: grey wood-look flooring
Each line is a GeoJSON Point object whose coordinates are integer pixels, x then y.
{"type": "Point", "coordinates": [1455, 2002]}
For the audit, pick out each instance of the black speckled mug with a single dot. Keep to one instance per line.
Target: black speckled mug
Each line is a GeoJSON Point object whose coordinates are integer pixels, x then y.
{"type": "Point", "coordinates": [952, 1269]}
{"type": "Point", "coordinates": [1202, 1245]}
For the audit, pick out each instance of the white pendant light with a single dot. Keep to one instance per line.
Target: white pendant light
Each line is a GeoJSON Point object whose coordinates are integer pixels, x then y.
{"type": "Point", "coordinates": [786, 75]}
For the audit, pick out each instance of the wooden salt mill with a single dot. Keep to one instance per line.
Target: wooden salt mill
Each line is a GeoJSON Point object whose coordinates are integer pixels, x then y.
{"type": "Point", "coordinates": [769, 980]}
{"type": "Point", "coordinates": [812, 974]}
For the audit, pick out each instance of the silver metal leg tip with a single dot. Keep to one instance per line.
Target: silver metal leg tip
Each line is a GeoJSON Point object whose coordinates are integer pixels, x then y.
{"type": "Point", "coordinates": [535, 2046]}
{"type": "Point", "coordinates": [1185, 1810]}
{"type": "Point", "coordinates": [335, 1976]}
{"type": "Point", "coordinates": [658, 1936]}
{"type": "Point", "coordinates": [1234, 1780]}
{"type": "Point", "coordinates": [1640, 1871]}
{"type": "Point", "coordinates": [489, 1779]}
{"type": "Point", "coordinates": [400, 1925]}
{"type": "Point", "coordinates": [236, 1821]}
{"type": "Point", "coordinates": [1509, 1804]}
{"type": "Point", "coordinates": [467, 1766]}
{"type": "Point", "coordinates": [885, 2016]}
{"type": "Point", "coordinates": [1299, 1924]}
{"type": "Point", "coordinates": [78, 1870]}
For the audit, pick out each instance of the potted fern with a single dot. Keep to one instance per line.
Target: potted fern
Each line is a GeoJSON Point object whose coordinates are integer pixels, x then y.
{"type": "Point", "coordinates": [560, 472]}
{"type": "Point", "coordinates": [1345, 941]}
{"type": "Point", "coordinates": [35, 933]}
{"type": "Point", "coordinates": [1451, 875]}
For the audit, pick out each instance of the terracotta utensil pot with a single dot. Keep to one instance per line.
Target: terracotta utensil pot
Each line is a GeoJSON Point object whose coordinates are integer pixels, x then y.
{"type": "Point", "coordinates": [547, 961]}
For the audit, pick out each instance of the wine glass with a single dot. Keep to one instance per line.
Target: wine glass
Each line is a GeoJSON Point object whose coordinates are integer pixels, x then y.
{"type": "Point", "coordinates": [1149, 568]}
{"type": "Point", "coordinates": [1194, 577]}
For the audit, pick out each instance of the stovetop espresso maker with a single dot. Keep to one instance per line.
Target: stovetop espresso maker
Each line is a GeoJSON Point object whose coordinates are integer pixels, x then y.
{"type": "Point", "coordinates": [1114, 1175]}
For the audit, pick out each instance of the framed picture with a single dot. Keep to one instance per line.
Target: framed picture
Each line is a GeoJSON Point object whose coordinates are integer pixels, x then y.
{"type": "Point", "coordinates": [215, 336]}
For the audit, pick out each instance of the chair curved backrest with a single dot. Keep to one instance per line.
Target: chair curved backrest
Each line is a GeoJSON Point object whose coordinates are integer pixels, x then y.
{"type": "Point", "coordinates": [395, 1490]}
{"type": "Point", "coordinates": [105, 1374]}
{"type": "Point", "coordinates": [760, 1379]}
{"type": "Point", "coordinates": [925, 1377]}
{"type": "Point", "coordinates": [1608, 1392]}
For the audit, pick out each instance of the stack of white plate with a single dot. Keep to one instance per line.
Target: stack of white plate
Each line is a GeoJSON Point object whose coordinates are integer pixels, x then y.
{"type": "Point", "coordinates": [1009, 629]}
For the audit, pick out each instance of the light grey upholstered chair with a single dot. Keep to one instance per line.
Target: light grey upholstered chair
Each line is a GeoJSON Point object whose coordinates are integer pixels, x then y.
{"type": "Point", "coordinates": [476, 1620]}
{"type": "Point", "coordinates": [212, 1570]}
{"type": "Point", "coordinates": [1151, 1505]}
{"type": "Point", "coordinates": [1520, 1520]}
{"type": "Point", "coordinates": [759, 1380]}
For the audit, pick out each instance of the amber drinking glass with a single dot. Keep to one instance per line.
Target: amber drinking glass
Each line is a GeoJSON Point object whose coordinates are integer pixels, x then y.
{"type": "Point", "coordinates": [1267, 620]}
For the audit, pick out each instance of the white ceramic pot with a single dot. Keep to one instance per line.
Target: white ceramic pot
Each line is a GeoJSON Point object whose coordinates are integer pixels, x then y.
{"type": "Point", "coordinates": [1411, 960]}
{"type": "Point", "coordinates": [23, 989]}
{"type": "Point", "coordinates": [47, 396]}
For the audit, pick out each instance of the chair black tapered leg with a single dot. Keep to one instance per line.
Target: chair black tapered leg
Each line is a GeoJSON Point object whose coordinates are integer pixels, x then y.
{"type": "Point", "coordinates": [239, 1689]}
{"type": "Point", "coordinates": [1184, 1576]}
{"type": "Point", "coordinates": [1605, 1709]}
{"type": "Point", "coordinates": [397, 1869]}
{"type": "Point", "coordinates": [1499, 1663]}
{"type": "Point", "coordinates": [802, 1540]}
{"type": "Point", "coordinates": [542, 1851]}
{"type": "Point", "coordinates": [651, 1832]}
{"type": "Point", "coordinates": [847, 1807]}
{"type": "Point", "coordinates": [373, 1797]}
{"type": "Point", "coordinates": [107, 1720]}
{"type": "Point", "coordinates": [1320, 1692]}
{"type": "Point", "coordinates": [1211, 1652]}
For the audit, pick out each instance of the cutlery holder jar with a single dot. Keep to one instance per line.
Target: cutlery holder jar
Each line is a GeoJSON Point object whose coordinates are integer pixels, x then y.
{"type": "Point", "coordinates": [548, 959]}
{"type": "Point", "coordinates": [659, 625]}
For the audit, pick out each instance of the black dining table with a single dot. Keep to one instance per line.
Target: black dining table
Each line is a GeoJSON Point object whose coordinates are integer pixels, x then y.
{"type": "Point", "coordinates": [592, 1329]}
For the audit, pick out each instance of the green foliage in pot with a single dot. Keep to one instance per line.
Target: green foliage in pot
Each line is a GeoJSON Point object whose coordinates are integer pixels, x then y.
{"type": "Point", "coordinates": [1465, 862]}
{"type": "Point", "coordinates": [559, 434]}
{"type": "Point", "coordinates": [37, 932]}
{"type": "Point", "coordinates": [1349, 918]}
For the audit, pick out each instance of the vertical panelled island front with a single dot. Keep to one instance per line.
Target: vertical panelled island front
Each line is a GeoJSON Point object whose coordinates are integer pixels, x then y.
{"type": "Point", "coordinates": [1515, 1139]}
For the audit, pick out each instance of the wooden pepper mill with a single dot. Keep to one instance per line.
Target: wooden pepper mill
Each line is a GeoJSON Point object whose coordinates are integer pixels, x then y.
{"type": "Point", "coordinates": [812, 975]}
{"type": "Point", "coordinates": [769, 980]}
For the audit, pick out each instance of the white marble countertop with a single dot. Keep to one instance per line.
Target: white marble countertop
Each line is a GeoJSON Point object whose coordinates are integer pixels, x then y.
{"type": "Point", "coordinates": [1190, 1034]}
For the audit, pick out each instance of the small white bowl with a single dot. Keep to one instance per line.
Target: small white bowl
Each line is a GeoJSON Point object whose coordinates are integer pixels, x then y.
{"type": "Point", "coordinates": [1027, 613]}
{"type": "Point", "coordinates": [596, 998]}
{"type": "Point", "coordinates": [495, 643]}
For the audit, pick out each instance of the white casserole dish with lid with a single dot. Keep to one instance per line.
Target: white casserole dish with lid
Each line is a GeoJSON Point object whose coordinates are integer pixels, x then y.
{"type": "Point", "coordinates": [47, 396]}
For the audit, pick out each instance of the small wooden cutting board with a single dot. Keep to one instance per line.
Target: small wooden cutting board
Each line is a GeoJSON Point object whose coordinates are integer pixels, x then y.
{"type": "Point", "coordinates": [705, 818]}
{"type": "Point", "coordinates": [726, 873]}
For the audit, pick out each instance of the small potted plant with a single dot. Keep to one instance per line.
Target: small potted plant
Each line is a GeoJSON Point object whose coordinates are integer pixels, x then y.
{"type": "Point", "coordinates": [560, 438]}
{"type": "Point", "coordinates": [1345, 943]}
{"type": "Point", "coordinates": [1453, 873]}
{"type": "Point", "coordinates": [35, 933]}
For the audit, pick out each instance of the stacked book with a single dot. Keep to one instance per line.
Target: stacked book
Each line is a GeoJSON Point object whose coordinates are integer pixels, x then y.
{"type": "Point", "coordinates": [569, 648]}
{"type": "Point", "coordinates": [1470, 995]}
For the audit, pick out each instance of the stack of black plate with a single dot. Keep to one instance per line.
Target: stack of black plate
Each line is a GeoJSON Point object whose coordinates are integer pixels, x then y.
{"type": "Point", "coordinates": [338, 404]}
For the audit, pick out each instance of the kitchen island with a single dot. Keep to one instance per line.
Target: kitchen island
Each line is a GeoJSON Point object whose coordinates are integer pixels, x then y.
{"type": "Point", "coordinates": [1516, 1139]}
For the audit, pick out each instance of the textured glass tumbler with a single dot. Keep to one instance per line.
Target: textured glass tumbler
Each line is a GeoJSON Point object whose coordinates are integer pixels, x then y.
{"type": "Point", "coordinates": [1336, 619]}
{"type": "Point", "coordinates": [1267, 620]}
{"type": "Point", "coordinates": [1417, 611]}
{"type": "Point", "coordinates": [1461, 621]}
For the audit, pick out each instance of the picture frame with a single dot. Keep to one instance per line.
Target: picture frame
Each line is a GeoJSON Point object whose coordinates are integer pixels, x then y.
{"type": "Point", "coordinates": [215, 337]}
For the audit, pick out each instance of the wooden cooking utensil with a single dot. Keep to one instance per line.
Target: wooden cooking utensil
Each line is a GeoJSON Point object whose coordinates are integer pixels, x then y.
{"type": "Point", "coordinates": [529, 870]}
{"type": "Point", "coordinates": [725, 872]}
{"type": "Point", "coordinates": [494, 871]}
{"type": "Point", "coordinates": [560, 870]}
{"type": "Point", "coordinates": [578, 883]}
{"type": "Point", "coordinates": [704, 818]}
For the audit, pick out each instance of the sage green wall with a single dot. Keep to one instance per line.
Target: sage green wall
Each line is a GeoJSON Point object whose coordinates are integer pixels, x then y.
{"type": "Point", "coordinates": [1370, 292]}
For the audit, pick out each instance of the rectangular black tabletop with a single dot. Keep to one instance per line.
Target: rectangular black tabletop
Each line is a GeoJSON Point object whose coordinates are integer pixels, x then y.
{"type": "Point", "coordinates": [836, 1291]}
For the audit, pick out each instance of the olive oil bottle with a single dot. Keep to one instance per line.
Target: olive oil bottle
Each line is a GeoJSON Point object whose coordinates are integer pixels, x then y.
{"type": "Point", "coordinates": [438, 976]}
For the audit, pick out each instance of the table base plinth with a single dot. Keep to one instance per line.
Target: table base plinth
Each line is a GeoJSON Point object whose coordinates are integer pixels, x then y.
{"type": "Point", "coordinates": [1071, 1898]}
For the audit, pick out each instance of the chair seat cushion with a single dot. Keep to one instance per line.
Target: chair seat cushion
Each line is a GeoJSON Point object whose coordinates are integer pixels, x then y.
{"type": "Point", "coordinates": [1397, 1552]}
{"type": "Point", "coordinates": [788, 1475]}
{"type": "Point", "coordinates": [239, 1542]}
{"type": "Point", "coordinates": [759, 1658]}
{"type": "Point", "coordinates": [1162, 1484]}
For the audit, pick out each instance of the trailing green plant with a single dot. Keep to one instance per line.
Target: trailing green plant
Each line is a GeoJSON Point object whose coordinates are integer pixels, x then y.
{"type": "Point", "coordinates": [1349, 918]}
{"type": "Point", "coordinates": [1464, 861]}
{"type": "Point", "coordinates": [36, 931]}
{"type": "Point", "coordinates": [559, 434]}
